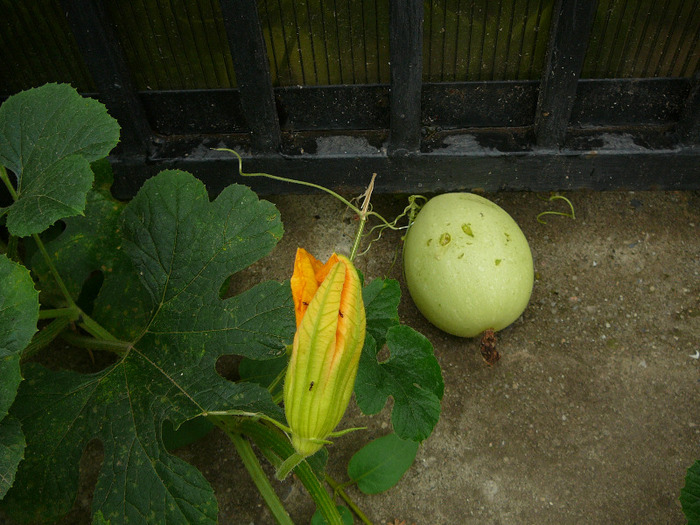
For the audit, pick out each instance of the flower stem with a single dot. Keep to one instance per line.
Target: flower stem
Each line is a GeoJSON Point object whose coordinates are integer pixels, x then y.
{"type": "Point", "coordinates": [252, 465]}
{"type": "Point", "coordinates": [338, 489]}
{"type": "Point", "coordinates": [276, 446]}
{"type": "Point", "coordinates": [288, 465]}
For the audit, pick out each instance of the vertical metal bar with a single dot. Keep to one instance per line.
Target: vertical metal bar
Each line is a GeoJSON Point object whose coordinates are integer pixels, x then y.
{"type": "Point", "coordinates": [252, 69]}
{"type": "Point", "coordinates": [406, 52]}
{"type": "Point", "coordinates": [101, 50]}
{"type": "Point", "coordinates": [572, 21]}
{"type": "Point", "coordinates": [688, 129]}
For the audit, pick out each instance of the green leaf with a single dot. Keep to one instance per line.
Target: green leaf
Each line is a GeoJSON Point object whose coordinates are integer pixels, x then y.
{"type": "Point", "coordinates": [381, 298]}
{"type": "Point", "coordinates": [411, 376]}
{"type": "Point", "coordinates": [263, 373]}
{"type": "Point", "coordinates": [182, 247]}
{"type": "Point", "coordinates": [88, 244]}
{"type": "Point", "coordinates": [19, 313]}
{"type": "Point", "coordinates": [189, 432]}
{"type": "Point", "coordinates": [48, 137]}
{"type": "Point", "coordinates": [690, 495]}
{"type": "Point", "coordinates": [381, 463]}
{"type": "Point", "coordinates": [11, 452]}
{"type": "Point", "coordinates": [345, 516]}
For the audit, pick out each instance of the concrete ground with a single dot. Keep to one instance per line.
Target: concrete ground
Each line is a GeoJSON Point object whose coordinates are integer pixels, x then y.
{"type": "Point", "coordinates": [590, 416]}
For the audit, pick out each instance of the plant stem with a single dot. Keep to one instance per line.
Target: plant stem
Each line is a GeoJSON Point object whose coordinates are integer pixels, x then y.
{"type": "Point", "coordinates": [45, 336]}
{"type": "Point", "coordinates": [338, 489]}
{"type": "Point", "coordinates": [49, 313]}
{"type": "Point", "coordinates": [94, 328]}
{"type": "Point", "coordinates": [54, 271]}
{"type": "Point", "coordinates": [363, 218]}
{"type": "Point", "coordinates": [288, 465]}
{"type": "Point", "coordinates": [261, 481]}
{"type": "Point", "coordinates": [275, 446]}
{"type": "Point", "coordinates": [11, 248]}
{"type": "Point", "coordinates": [90, 325]}
{"type": "Point", "coordinates": [6, 179]}
{"type": "Point", "coordinates": [277, 380]}
{"type": "Point", "coordinates": [112, 345]}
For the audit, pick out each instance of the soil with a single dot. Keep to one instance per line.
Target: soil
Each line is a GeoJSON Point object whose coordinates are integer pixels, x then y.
{"type": "Point", "coordinates": [591, 413]}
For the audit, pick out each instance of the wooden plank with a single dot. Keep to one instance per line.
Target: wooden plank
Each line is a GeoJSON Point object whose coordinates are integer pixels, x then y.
{"type": "Point", "coordinates": [103, 56]}
{"type": "Point", "coordinates": [570, 31]}
{"type": "Point", "coordinates": [406, 52]}
{"type": "Point", "coordinates": [252, 69]}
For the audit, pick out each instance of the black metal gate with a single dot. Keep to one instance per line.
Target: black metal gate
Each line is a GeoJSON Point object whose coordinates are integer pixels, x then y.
{"type": "Point", "coordinates": [432, 96]}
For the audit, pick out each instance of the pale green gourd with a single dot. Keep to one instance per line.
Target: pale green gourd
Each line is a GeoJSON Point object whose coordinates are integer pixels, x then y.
{"type": "Point", "coordinates": [467, 264]}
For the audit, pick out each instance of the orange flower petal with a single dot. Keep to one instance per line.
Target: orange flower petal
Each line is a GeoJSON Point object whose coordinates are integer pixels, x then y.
{"type": "Point", "coordinates": [323, 270]}
{"type": "Point", "coordinates": [308, 275]}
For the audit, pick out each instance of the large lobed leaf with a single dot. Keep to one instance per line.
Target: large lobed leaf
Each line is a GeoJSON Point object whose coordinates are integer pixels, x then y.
{"type": "Point", "coordinates": [412, 376]}
{"type": "Point", "coordinates": [85, 246]}
{"type": "Point", "coordinates": [381, 298]}
{"type": "Point", "coordinates": [48, 137]}
{"type": "Point", "coordinates": [690, 495]}
{"type": "Point", "coordinates": [19, 312]}
{"type": "Point", "coordinates": [381, 463]}
{"type": "Point", "coordinates": [11, 452]}
{"type": "Point", "coordinates": [181, 248]}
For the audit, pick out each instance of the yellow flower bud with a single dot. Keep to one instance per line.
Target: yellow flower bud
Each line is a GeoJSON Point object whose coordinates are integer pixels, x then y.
{"type": "Point", "coordinates": [330, 334]}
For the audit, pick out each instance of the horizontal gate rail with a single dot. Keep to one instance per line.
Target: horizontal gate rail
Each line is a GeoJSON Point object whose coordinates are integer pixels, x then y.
{"type": "Point", "coordinates": [689, 122]}
{"type": "Point", "coordinates": [444, 106]}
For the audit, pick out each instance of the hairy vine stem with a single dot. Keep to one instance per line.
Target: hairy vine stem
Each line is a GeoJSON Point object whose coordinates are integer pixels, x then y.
{"type": "Point", "coordinates": [275, 446]}
{"type": "Point", "coordinates": [252, 465]}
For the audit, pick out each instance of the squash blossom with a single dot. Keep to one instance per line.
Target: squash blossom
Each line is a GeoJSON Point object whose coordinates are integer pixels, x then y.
{"type": "Point", "coordinates": [330, 317]}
